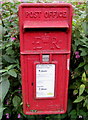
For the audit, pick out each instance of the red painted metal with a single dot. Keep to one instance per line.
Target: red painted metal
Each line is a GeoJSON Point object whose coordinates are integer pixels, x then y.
{"type": "Point", "coordinates": [45, 29]}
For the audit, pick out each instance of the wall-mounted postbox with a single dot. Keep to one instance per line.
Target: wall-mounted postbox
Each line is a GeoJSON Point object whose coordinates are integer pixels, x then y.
{"type": "Point", "coordinates": [45, 43]}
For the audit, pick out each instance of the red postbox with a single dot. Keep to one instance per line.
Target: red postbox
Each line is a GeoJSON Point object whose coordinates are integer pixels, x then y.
{"type": "Point", "coordinates": [45, 46]}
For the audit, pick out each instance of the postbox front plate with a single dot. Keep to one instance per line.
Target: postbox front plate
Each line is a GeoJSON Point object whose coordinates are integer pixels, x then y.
{"type": "Point", "coordinates": [45, 42]}
{"type": "Point", "coordinates": [45, 80]}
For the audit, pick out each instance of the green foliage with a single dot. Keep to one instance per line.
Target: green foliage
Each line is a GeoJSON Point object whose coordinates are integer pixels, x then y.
{"type": "Point", "coordinates": [79, 99]}
{"type": "Point", "coordinates": [10, 84]}
{"type": "Point", "coordinates": [81, 89]}
{"type": "Point", "coordinates": [79, 72]}
{"type": "Point", "coordinates": [16, 101]}
{"type": "Point", "coordinates": [5, 87]}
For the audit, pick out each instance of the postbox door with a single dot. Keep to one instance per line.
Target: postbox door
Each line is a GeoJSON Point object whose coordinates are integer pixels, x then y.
{"type": "Point", "coordinates": [45, 94]}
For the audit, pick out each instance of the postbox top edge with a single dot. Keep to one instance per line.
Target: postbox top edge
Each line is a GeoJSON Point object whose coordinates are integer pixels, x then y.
{"type": "Point", "coordinates": [45, 5]}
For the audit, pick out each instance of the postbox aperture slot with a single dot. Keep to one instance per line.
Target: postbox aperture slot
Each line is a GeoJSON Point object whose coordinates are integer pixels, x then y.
{"type": "Point", "coordinates": [44, 29]}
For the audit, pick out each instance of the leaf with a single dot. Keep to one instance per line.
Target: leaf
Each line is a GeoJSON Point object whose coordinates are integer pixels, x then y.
{"type": "Point", "coordinates": [73, 114]}
{"type": "Point", "coordinates": [8, 59]}
{"type": "Point", "coordinates": [85, 27]}
{"type": "Point", "coordinates": [3, 70]}
{"type": "Point", "coordinates": [81, 64]}
{"type": "Point", "coordinates": [75, 92]}
{"type": "Point", "coordinates": [63, 116]}
{"type": "Point", "coordinates": [9, 67]}
{"type": "Point", "coordinates": [12, 73]}
{"type": "Point", "coordinates": [79, 99]}
{"type": "Point", "coordinates": [77, 42]}
{"type": "Point", "coordinates": [69, 105]}
{"type": "Point", "coordinates": [82, 112]}
{"type": "Point", "coordinates": [86, 103]}
{"type": "Point", "coordinates": [16, 101]}
{"type": "Point", "coordinates": [9, 51]}
{"type": "Point", "coordinates": [84, 77]}
{"type": "Point", "coordinates": [81, 89]}
{"type": "Point", "coordinates": [83, 40]}
{"type": "Point", "coordinates": [4, 87]}
{"type": "Point", "coordinates": [1, 111]}
{"type": "Point", "coordinates": [86, 67]}
{"type": "Point", "coordinates": [83, 53]}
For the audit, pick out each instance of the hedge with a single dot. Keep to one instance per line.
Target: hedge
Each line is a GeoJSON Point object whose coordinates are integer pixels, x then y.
{"type": "Point", "coordinates": [10, 83]}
